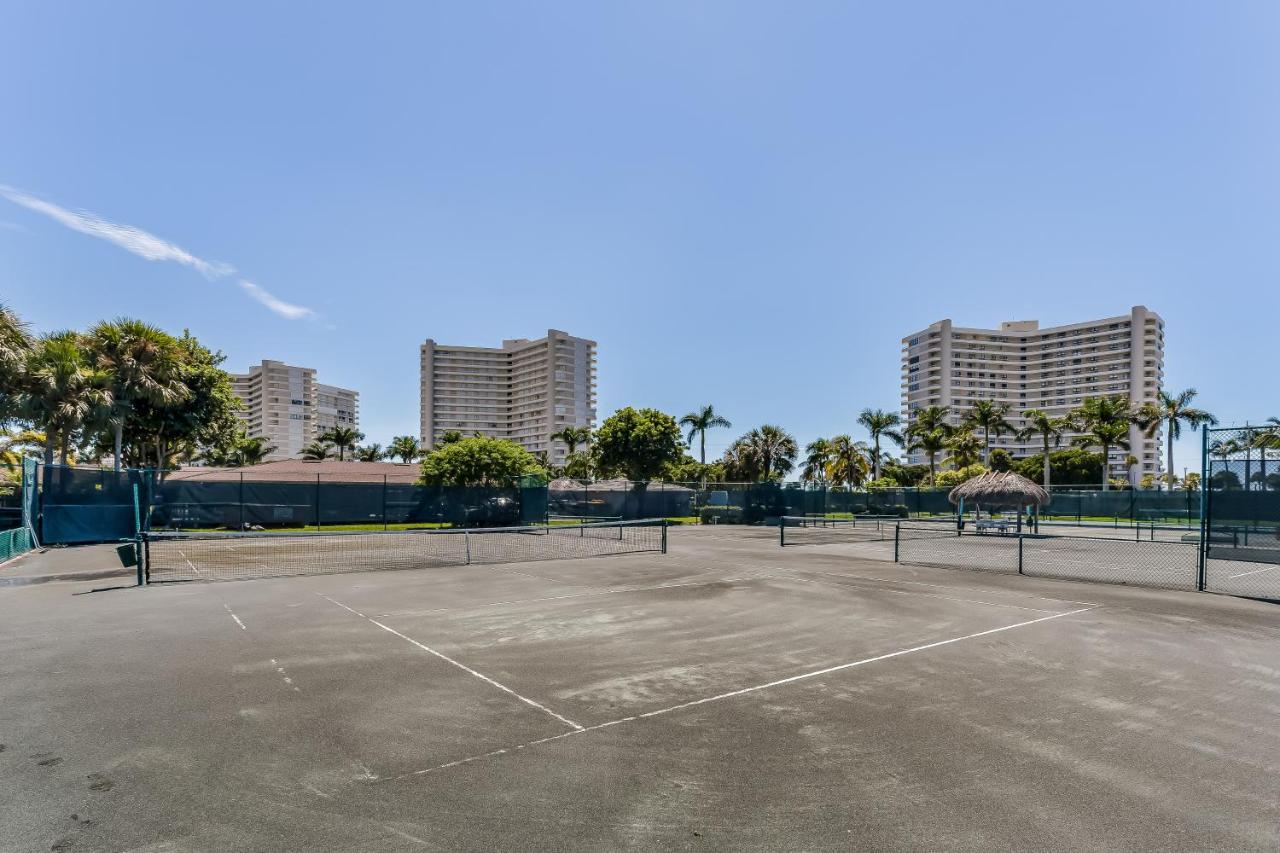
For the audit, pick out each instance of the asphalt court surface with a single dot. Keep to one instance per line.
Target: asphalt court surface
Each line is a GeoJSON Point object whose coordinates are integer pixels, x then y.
{"type": "Point", "coordinates": [728, 695]}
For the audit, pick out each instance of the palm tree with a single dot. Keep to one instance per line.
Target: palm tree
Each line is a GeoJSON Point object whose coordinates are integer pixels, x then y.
{"type": "Point", "coordinates": [931, 443]}
{"type": "Point", "coordinates": [316, 452]}
{"type": "Point", "coordinates": [1050, 430]}
{"type": "Point", "coordinates": [369, 453]}
{"type": "Point", "coordinates": [849, 463]}
{"type": "Point", "coordinates": [14, 446]}
{"type": "Point", "coordinates": [990, 417]}
{"type": "Point", "coordinates": [880, 423]}
{"type": "Point", "coordinates": [342, 437]}
{"type": "Point", "coordinates": [1172, 410]}
{"type": "Point", "coordinates": [64, 391]}
{"type": "Point", "coordinates": [817, 458]}
{"type": "Point", "coordinates": [405, 447]}
{"type": "Point", "coordinates": [253, 451]}
{"type": "Point", "coordinates": [143, 363]}
{"type": "Point", "coordinates": [965, 448]}
{"type": "Point", "coordinates": [573, 436]}
{"type": "Point", "coordinates": [699, 422]}
{"type": "Point", "coordinates": [15, 348]}
{"type": "Point", "coordinates": [1105, 422]}
{"type": "Point", "coordinates": [762, 454]}
{"type": "Point", "coordinates": [930, 418]}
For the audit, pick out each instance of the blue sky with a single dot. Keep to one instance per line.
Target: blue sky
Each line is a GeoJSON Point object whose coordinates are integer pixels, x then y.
{"type": "Point", "coordinates": [746, 204]}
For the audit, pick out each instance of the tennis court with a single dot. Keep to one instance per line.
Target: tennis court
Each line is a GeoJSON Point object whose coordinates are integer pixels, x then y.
{"type": "Point", "coordinates": [729, 694]}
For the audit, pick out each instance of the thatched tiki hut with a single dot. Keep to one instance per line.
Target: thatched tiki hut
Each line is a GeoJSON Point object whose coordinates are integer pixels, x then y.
{"type": "Point", "coordinates": [999, 489]}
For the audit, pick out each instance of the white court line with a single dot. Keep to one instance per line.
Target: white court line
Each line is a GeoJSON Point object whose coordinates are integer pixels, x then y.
{"type": "Point", "coordinates": [1254, 572]}
{"type": "Point", "coordinates": [235, 617]}
{"type": "Point", "coordinates": [741, 692]}
{"type": "Point", "coordinates": [505, 689]}
{"type": "Point", "coordinates": [189, 563]}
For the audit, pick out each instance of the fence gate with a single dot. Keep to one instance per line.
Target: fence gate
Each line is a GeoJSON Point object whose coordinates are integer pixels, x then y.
{"type": "Point", "coordinates": [1240, 527]}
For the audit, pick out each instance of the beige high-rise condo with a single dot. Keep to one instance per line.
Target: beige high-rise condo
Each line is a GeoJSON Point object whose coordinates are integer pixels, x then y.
{"type": "Point", "coordinates": [285, 406]}
{"type": "Point", "coordinates": [1053, 369]}
{"type": "Point", "coordinates": [524, 391]}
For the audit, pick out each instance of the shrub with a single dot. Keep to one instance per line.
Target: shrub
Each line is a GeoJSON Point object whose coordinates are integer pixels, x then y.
{"type": "Point", "coordinates": [720, 515]}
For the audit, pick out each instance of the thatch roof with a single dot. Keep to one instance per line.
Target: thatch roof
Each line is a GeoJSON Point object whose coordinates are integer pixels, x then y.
{"type": "Point", "coordinates": [999, 488]}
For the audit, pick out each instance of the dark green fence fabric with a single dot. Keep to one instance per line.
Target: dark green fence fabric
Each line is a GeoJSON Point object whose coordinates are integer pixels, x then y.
{"type": "Point", "coordinates": [1241, 484]}
{"type": "Point", "coordinates": [80, 505]}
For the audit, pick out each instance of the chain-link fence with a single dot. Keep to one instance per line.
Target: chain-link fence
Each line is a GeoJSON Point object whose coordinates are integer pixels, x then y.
{"type": "Point", "coordinates": [1241, 494]}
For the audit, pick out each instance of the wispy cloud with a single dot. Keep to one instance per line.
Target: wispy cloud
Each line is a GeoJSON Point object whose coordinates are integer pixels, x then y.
{"type": "Point", "coordinates": [147, 245]}
{"type": "Point", "coordinates": [284, 309]}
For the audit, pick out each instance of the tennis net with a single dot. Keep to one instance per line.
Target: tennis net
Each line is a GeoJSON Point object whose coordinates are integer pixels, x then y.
{"type": "Point", "coordinates": [812, 530]}
{"type": "Point", "coordinates": [183, 556]}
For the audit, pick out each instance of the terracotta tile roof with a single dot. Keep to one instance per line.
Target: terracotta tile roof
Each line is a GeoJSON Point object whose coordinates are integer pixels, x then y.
{"type": "Point", "coordinates": [295, 470]}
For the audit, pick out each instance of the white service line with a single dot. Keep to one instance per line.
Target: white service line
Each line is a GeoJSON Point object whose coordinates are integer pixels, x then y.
{"type": "Point", "coordinates": [235, 617]}
{"type": "Point", "coordinates": [904, 591]}
{"type": "Point", "coordinates": [735, 693]}
{"type": "Point", "coordinates": [505, 689]}
{"type": "Point", "coordinates": [1254, 572]}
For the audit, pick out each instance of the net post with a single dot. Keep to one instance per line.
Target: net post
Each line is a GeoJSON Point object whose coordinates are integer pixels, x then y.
{"type": "Point", "coordinates": [782, 532]}
{"type": "Point", "coordinates": [664, 535]}
{"type": "Point", "coordinates": [137, 538]}
{"type": "Point", "coordinates": [242, 500]}
{"type": "Point", "coordinates": [1020, 539]}
{"type": "Point", "coordinates": [466, 539]}
{"type": "Point", "coordinates": [897, 540]}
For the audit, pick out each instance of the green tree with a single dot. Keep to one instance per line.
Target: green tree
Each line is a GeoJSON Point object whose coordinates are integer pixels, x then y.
{"type": "Point", "coordinates": [1050, 430]}
{"type": "Point", "coordinates": [317, 451]}
{"type": "Point", "coordinates": [879, 423]}
{"type": "Point", "coordinates": [253, 451]}
{"type": "Point", "coordinates": [954, 477]}
{"type": "Point", "coordinates": [1000, 459]}
{"type": "Point", "coordinates": [1105, 423]}
{"type": "Point", "coordinates": [478, 461]}
{"type": "Point", "coordinates": [930, 443]}
{"type": "Point", "coordinates": [1148, 481]}
{"type": "Point", "coordinates": [638, 443]}
{"type": "Point", "coordinates": [763, 454]}
{"type": "Point", "coordinates": [64, 391]}
{"type": "Point", "coordinates": [572, 436]}
{"type": "Point", "coordinates": [817, 458]}
{"type": "Point", "coordinates": [451, 436]}
{"type": "Point", "coordinates": [989, 416]}
{"type": "Point", "coordinates": [1191, 482]}
{"type": "Point", "coordinates": [143, 363]}
{"type": "Point", "coordinates": [928, 419]}
{"type": "Point", "coordinates": [370, 453]}
{"type": "Point", "coordinates": [1172, 411]}
{"type": "Point", "coordinates": [965, 448]}
{"type": "Point", "coordinates": [342, 437]}
{"type": "Point", "coordinates": [698, 422]}
{"type": "Point", "coordinates": [203, 419]}
{"type": "Point", "coordinates": [582, 466]}
{"type": "Point", "coordinates": [15, 350]}
{"type": "Point", "coordinates": [849, 464]}
{"type": "Point", "coordinates": [404, 448]}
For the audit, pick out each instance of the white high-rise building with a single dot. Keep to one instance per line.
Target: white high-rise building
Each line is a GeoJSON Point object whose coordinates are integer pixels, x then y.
{"type": "Point", "coordinates": [286, 407]}
{"type": "Point", "coordinates": [523, 391]}
{"type": "Point", "coordinates": [1053, 369]}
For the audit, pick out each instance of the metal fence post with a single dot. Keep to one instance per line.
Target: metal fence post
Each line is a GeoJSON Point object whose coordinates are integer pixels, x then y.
{"type": "Point", "coordinates": [664, 536]}
{"type": "Point", "coordinates": [466, 538]}
{"type": "Point", "coordinates": [1205, 527]}
{"type": "Point", "coordinates": [1020, 538]}
{"type": "Point", "coordinates": [137, 538]}
{"type": "Point", "coordinates": [384, 501]}
{"type": "Point", "coordinates": [317, 502]}
{"type": "Point", "coordinates": [897, 538]}
{"type": "Point", "coordinates": [242, 500]}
